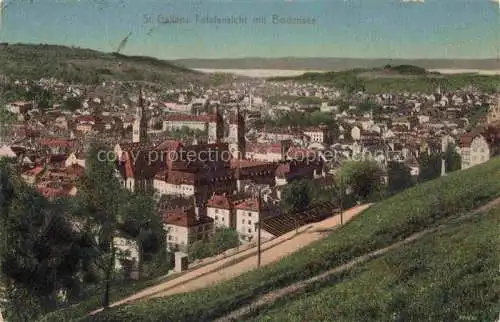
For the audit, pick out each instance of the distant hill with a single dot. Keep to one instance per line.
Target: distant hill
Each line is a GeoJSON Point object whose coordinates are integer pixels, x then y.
{"type": "Point", "coordinates": [336, 64]}
{"type": "Point", "coordinates": [397, 78]}
{"type": "Point", "coordinates": [23, 61]}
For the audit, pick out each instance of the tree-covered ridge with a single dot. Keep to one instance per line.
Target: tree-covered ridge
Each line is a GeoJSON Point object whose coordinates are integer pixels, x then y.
{"type": "Point", "coordinates": [23, 61]}
{"type": "Point", "coordinates": [402, 78]}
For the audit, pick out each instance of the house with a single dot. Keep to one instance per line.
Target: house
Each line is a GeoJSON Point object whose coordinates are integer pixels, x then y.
{"type": "Point", "coordinates": [19, 107]}
{"type": "Point", "coordinates": [474, 150]}
{"type": "Point", "coordinates": [248, 213]}
{"type": "Point", "coordinates": [54, 189]}
{"type": "Point", "coordinates": [61, 122]}
{"type": "Point", "coordinates": [193, 122]}
{"type": "Point", "coordinates": [7, 152]}
{"type": "Point", "coordinates": [175, 183]}
{"type": "Point", "coordinates": [30, 176]}
{"type": "Point", "coordinates": [494, 112]}
{"type": "Point", "coordinates": [58, 145]}
{"type": "Point", "coordinates": [288, 171]}
{"type": "Point", "coordinates": [317, 134]}
{"type": "Point", "coordinates": [127, 250]}
{"type": "Point", "coordinates": [75, 158]}
{"type": "Point", "coordinates": [85, 123]}
{"type": "Point", "coordinates": [184, 226]}
{"type": "Point", "coordinates": [366, 123]}
{"type": "Point", "coordinates": [221, 209]}
{"type": "Point", "coordinates": [266, 152]}
{"type": "Point", "coordinates": [356, 133]}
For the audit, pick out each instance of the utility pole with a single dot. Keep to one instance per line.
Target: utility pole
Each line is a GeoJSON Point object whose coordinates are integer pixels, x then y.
{"type": "Point", "coordinates": [341, 198]}
{"type": "Point", "coordinates": [258, 243]}
{"type": "Point", "coordinates": [259, 227]}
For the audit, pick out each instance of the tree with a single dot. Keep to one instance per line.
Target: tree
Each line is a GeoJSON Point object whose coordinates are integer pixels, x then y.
{"type": "Point", "coordinates": [430, 167]}
{"type": "Point", "coordinates": [453, 160]}
{"type": "Point", "coordinates": [141, 223]}
{"type": "Point", "coordinates": [224, 239]}
{"type": "Point", "coordinates": [361, 177]}
{"type": "Point", "coordinates": [108, 211]}
{"type": "Point", "coordinates": [200, 249]}
{"type": "Point", "coordinates": [41, 251]}
{"type": "Point", "coordinates": [399, 177]}
{"type": "Point", "coordinates": [101, 201]}
{"type": "Point", "coordinates": [296, 196]}
{"type": "Point", "coordinates": [72, 104]}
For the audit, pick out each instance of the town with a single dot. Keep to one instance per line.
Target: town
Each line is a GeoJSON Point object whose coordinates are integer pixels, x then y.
{"type": "Point", "coordinates": [249, 161]}
{"type": "Point", "coordinates": [217, 161]}
{"type": "Point", "coordinates": [245, 162]}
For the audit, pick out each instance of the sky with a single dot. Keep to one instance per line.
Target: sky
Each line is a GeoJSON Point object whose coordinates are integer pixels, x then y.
{"type": "Point", "coordinates": [341, 28]}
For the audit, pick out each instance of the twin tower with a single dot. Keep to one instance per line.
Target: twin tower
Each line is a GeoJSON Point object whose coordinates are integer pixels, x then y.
{"type": "Point", "coordinates": [236, 134]}
{"type": "Point", "coordinates": [216, 130]}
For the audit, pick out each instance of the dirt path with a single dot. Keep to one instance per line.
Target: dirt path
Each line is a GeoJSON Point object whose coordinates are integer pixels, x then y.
{"type": "Point", "coordinates": [244, 261]}
{"type": "Point", "coordinates": [271, 297]}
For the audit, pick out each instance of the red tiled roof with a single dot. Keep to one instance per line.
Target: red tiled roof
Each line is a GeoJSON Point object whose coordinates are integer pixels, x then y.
{"type": "Point", "coordinates": [249, 204]}
{"type": "Point", "coordinates": [263, 148]}
{"type": "Point", "coordinates": [282, 170]}
{"type": "Point", "coordinates": [184, 217]}
{"type": "Point", "coordinates": [320, 128]}
{"type": "Point", "coordinates": [67, 143]}
{"type": "Point", "coordinates": [188, 118]}
{"type": "Point", "coordinates": [34, 172]}
{"type": "Point", "coordinates": [241, 163]}
{"type": "Point", "coordinates": [51, 190]}
{"type": "Point", "coordinates": [86, 119]}
{"type": "Point", "coordinates": [220, 201]}
{"type": "Point", "coordinates": [466, 141]}
{"type": "Point", "coordinates": [179, 177]}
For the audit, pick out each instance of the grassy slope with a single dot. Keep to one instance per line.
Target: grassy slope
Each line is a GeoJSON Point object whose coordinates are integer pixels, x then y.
{"type": "Point", "coordinates": [450, 275]}
{"type": "Point", "coordinates": [20, 61]}
{"type": "Point", "coordinates": [387, 222]}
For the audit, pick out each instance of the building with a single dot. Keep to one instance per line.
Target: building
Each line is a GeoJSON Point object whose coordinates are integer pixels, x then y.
{"type": "Point", "coordinates": [127, 258]}
{"type": "Point", "coordinates": [140, 126]}
{"type": "Point", "coordinates": [193, 122]}
{"type": "Point", "coordinates": [221, 209]}
{"type": "Point", "coordinates": [75, 158]}
{"type": "Point", "coordinates": [19, 107]}
{"type": "Point", "coordinates": [317, 134]}
{"type": "Point", "coordinates": [216, 127]}
{"type": "Point", "coordinates": [236, 137]}
{"type": "Point", "coordinates": [85, 123]}
{"type": "Point", "coordinates": [494, 112]}
{"type": "Point", "coordinates": [184, 226]}
{"type": "Point", "coordinates": [474, 150]}
{"type": "Point", "coordinates": [268, 152]}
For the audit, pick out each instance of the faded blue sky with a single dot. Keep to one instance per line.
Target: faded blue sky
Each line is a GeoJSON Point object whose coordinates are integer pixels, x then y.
{"type": "Point", "coordinates": [351, 28]}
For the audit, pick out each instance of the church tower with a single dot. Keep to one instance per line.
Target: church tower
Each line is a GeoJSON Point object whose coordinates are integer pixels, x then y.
{"type": "Point", "coordinates": [140, 127]}
{"type": "Point", "coordinates": [237, 140]}
{"type": "Point", "coordinates": [216, 127]}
